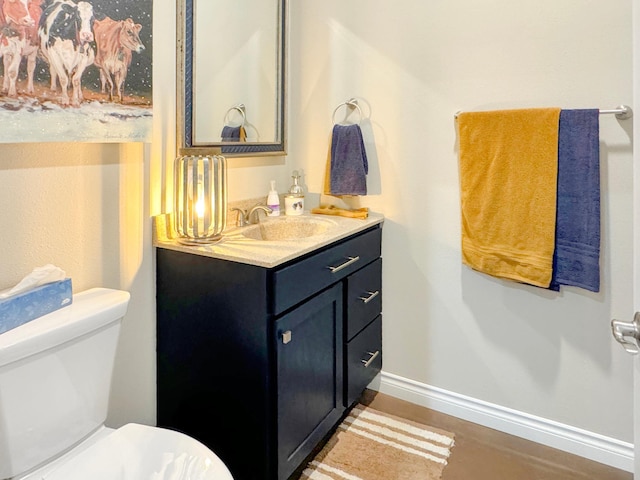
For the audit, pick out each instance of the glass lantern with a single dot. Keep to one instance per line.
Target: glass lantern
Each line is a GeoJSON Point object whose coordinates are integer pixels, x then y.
{"type": "Point", "coordinates": [200, 198]}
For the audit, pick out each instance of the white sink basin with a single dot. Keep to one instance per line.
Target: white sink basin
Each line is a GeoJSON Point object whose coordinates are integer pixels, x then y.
{"type": "Point", "coordinates": [288, 228]}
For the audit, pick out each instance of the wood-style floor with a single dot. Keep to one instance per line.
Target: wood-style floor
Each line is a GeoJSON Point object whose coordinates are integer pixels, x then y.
{"type": "Point", "coordinates": [481, 453]}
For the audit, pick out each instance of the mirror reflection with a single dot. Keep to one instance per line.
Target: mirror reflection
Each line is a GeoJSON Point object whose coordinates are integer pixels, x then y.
{"type": "Point", "coordinates": [232, 76]}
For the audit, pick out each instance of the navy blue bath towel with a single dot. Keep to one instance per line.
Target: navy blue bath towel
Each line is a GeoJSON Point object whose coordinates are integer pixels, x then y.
{"type": "Point", "coordinates": [349, 165]}
{"type": "Point", "coordinates": [577, 253]}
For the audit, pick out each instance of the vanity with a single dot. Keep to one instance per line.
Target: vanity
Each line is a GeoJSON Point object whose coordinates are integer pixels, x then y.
{"type": "Point", "coordinates": [264, 345]}
{"type": "Point", "coordinates": [266, 339]}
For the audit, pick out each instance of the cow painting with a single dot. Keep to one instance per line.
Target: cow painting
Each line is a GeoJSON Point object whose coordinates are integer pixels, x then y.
{"type": "Point", "coordinates": [66, 35]}
{"type": "Point", "coordinates": [55, 57]}
{"type": "Point", "coordinates": [115, 42]}
{"type": "Point", "coordinates": [18, 40]}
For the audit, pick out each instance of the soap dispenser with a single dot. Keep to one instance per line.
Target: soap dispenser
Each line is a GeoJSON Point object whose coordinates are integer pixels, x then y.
{"type": "Point", "coordinates": [273, 200]}
{"type": "Point", "coordinates": [294, 200]}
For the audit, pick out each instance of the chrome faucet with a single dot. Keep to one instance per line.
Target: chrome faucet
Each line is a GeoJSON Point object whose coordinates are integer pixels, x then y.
{"type": "Point", "coordinates": [242, 217]}
{"type": "Point", "coordinates": [254, 216]}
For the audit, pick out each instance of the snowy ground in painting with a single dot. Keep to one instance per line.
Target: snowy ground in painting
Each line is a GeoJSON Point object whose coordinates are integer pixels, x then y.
{"type": "Point", "coordinates": [32, 120]}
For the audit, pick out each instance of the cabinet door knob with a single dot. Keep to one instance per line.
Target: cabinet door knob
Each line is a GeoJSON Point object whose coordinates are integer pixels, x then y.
{"type": "Point", "coordinates": [286, 337]}
{"type": "Point", "coordinates": [373, 356]}
{"type": "Point", "coordinates": [349, 261]}
{"type": "Point", "coordinates": [371, 296]}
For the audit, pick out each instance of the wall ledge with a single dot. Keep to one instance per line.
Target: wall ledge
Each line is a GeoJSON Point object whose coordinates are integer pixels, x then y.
{"type": "Point", "coordinates": [602, 449]}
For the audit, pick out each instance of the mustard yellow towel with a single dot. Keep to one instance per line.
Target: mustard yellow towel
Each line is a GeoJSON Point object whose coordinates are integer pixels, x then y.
{"type": "Point", "coordinates": [508, 185]}
{"type": "Point", "coordinates": [326, 188]}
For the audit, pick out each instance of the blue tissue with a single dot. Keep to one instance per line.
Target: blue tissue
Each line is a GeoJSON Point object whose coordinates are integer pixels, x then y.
{"type": "Point", "coordinates": [27, 306]}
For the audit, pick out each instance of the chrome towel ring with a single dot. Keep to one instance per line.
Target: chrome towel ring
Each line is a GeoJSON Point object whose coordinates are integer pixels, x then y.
{"type": "Point", "coordinates": [238, 108]}
{"type": "Point", "coordinates": [352, 103]}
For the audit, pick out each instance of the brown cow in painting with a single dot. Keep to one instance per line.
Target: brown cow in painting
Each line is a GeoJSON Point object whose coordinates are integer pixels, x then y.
{"type": "Point", "coordinates": [19, 38]}
{"type": "Point", "coordinates": [115, 40]}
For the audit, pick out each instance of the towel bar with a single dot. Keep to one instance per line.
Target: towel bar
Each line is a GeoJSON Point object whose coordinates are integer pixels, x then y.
{"type": "Point", "coordinates": [623, 112]}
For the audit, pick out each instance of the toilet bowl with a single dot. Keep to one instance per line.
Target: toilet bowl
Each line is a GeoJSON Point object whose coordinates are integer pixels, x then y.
{"type": "Point", "coordinates": [55, 375]}
{"type": "Point", "coordinates": [136, 452]}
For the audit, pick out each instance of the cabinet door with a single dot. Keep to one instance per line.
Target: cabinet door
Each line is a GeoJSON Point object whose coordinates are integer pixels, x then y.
{"type": "Point", "coordinates": [309, 376]}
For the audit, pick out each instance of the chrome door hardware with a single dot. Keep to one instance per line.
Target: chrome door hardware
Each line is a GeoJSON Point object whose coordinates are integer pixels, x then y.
{"type": "Point", "coordinates": [628, 333]}
{"type": "Point", "coordinates": [372, 357]}
{"type": "Point", "coordinates": [350, 261]}
{"type": "Point", "coordinates": [371, 296]}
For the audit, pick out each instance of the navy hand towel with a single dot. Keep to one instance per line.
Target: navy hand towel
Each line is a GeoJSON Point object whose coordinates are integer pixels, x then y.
{"type": "Point", "coordinates": [577, 252]}
{"type": "Point", "coordinates": [232, 134]}
{"type": "Point", "coordinates": [349, 165]}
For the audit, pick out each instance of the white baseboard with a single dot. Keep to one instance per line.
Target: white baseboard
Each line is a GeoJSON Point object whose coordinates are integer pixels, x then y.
{"type": "Point", "coordinates": [593, 446]}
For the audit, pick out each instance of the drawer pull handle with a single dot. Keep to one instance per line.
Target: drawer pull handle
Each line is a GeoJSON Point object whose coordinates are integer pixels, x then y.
{"type": "Point", "coordinates": [286, 337]}
{"type": "Point", "coordinates": [351, 260]}
{"type": "Point", "coordinates": [371, 296]}
{"type": "Point", "coordinates": [366, 363]}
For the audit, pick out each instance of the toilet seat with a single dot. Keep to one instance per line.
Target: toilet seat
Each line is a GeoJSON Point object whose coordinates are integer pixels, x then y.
{"type": "Point", "coordinates": [140, 452]}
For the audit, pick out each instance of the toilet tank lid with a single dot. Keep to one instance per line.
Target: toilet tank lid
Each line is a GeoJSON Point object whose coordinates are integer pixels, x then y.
{"type": "Point", "coordinates": [89, 311]}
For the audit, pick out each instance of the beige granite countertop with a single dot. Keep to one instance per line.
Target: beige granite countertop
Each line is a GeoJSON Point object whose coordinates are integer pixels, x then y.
{"type": "Point", "coordinates": [237, 247]}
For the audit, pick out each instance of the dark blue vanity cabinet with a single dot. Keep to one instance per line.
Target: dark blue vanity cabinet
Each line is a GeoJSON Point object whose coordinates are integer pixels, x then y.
{"type": "Point", "coordinates": [261, 364]}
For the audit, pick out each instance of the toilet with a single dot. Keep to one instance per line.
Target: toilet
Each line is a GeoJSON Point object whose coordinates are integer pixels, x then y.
{"type": "Point", "coordinates": [55, 377]}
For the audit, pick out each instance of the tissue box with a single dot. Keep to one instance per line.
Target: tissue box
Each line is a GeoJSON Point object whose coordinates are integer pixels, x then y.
{"type": "Point", "coordinates": [24, 307]}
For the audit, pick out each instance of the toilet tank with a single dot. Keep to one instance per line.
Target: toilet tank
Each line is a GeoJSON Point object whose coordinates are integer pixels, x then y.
{"type": "Point", "coordinates": [55, 376]}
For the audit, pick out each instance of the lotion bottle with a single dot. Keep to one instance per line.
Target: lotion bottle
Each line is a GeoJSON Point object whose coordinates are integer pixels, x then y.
{"type": "Point", "coordinates": [273, 200]}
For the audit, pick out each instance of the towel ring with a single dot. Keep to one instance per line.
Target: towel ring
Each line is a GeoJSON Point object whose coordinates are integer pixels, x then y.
{"type": "Point", "coordinates": [238, 108]}
{"type": "Point", "coordinates": [351, 103]}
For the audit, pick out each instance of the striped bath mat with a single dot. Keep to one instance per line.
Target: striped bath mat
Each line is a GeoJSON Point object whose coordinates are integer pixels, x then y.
{"type": "Point", "coordinates": [371, 445]}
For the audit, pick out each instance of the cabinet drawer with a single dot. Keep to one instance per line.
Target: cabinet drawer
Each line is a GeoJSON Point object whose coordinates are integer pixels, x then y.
{"type": "Point", "coordinates": [364, 298]}
{"type": "Point", "coordinates": [294, 283]}
{"type": "Point", "coordinates": [364, 360]}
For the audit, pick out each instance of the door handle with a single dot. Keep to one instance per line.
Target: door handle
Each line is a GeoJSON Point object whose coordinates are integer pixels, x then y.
{"type": "Point", "coordinates": [628, 333]}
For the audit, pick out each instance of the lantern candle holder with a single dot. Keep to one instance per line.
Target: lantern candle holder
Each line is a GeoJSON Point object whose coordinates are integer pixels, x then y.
{"type": "Point", "coordinates": [200, 191]}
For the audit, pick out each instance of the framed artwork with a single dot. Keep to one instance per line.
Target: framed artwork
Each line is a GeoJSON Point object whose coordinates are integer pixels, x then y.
{"type": "Point", "coordinates": [76, 71]}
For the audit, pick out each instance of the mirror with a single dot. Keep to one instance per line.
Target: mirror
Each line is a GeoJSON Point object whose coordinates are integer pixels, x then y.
{"type": "Point", "coordinates": [231, 77]}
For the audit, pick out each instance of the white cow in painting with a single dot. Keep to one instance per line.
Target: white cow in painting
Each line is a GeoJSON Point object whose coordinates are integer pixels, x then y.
{"type": "Point", "coordinates": [66, 33]}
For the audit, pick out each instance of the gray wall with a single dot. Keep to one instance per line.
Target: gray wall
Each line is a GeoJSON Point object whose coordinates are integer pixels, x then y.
{"type": "Point", "coordinates": [413, 65]}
